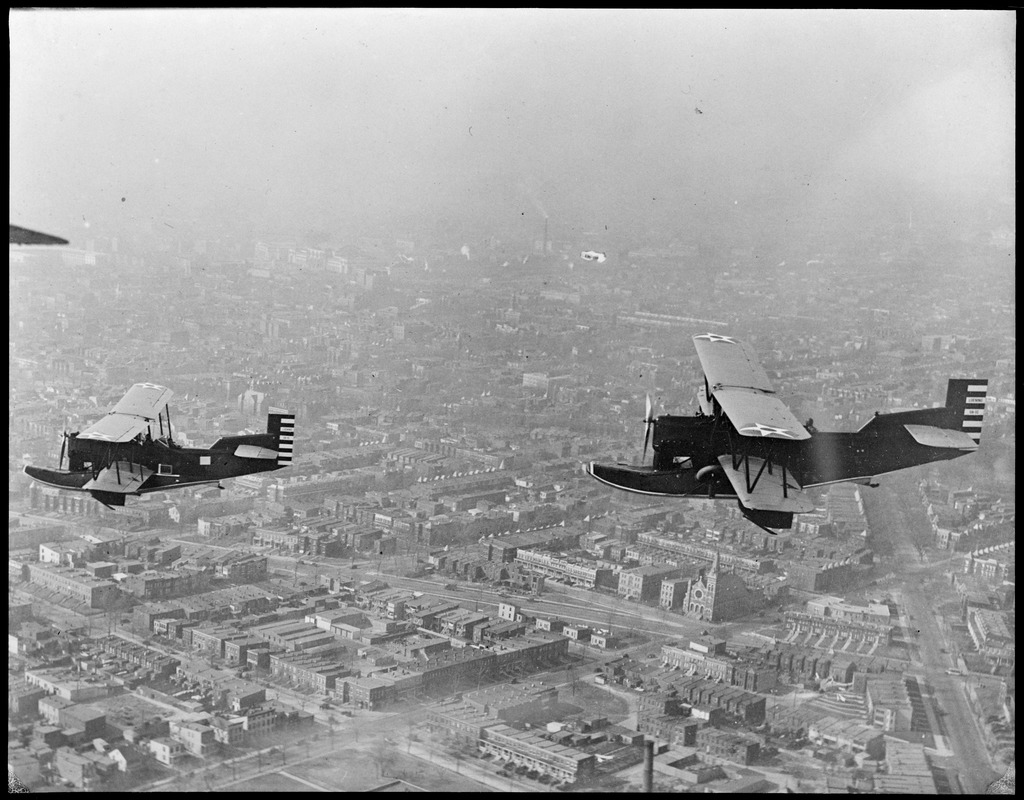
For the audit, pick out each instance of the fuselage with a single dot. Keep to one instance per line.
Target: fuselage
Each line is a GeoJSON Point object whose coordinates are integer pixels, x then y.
{"type": "Point", "coordinates": [882, 445]}
{"type": "Point", "coordinates": [171, 465]}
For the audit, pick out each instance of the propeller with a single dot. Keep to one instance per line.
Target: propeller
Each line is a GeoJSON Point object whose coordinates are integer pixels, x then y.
{"type": "Point", "coordinates": [63, 449]}
{"type": "Point", "coordinates": [648, 422]}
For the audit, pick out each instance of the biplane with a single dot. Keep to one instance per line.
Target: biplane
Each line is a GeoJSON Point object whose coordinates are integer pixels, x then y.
{"type": "Point", "coordinates": [745, 444]}
{"type": "Point", "coordinates": [131, 451]}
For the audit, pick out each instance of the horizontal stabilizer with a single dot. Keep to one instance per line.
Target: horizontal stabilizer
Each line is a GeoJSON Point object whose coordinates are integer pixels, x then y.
{"type": "Point", "coordinates": [252, 451]}
{"type": "Point", "coordinates": [767, 493]}
{"type": "Point", "coordinates": [930, 436]}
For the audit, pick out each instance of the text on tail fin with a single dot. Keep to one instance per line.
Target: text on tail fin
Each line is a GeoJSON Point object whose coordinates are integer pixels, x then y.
{"type": "Point", "coordinates": [965, 397]}
{"type": "Point", "coordinates": [282, 425]}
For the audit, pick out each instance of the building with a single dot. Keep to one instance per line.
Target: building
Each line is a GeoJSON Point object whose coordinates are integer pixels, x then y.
{"type": "Point", "coordinates": [644, 583]}
{"type": "Point", "coordinates": [526, 749]}
{"type": "Point", "coordinates": [717, 596]}
{"type": "Point", "coordinates": [888, 703]}
{"type": "Point", "coordinates": [676, 729]}
{"type": "Point", "coordinates": [992, 633]}
{"type": "Point", "coordinates": [78, 585]}
{"type": "Point", "coordinates": [512, 703]}
{"type": "Point", "coordinates": [70, 684]}
{"type": "Point", "coordinates": [829, 606]}
{"type": "Point", "coordinates": [838, 629]}
{"type": "Point", "coordinates": [82, 770]}
{"type": "Point", "coordinates": [243, 568]}
{"type": "Point", "coordinates": [908, 770]}
{"type": "Point", "coordinates": [573, 571]}
{"type": "Point", "coordinates": [708, 659]}
{"type": "Point", "coordinates": [739, 748]}
{"type": "Point", "coordinates": [196, 738]}
{"type": "Point", "coordinates": [848, 735]}
{"type": "Point", "coordinates": [319, 671]}
{"type": "Point", "coordinates": [23, 698]}
{"type": "Point", "coordinates": [673, 593]}
{"type": "Point", "coordinates": [157, 584]}
{"type": "Point", "coordinates": [166, 750]}
{"type": "Point", "coordinates": [818, 574]}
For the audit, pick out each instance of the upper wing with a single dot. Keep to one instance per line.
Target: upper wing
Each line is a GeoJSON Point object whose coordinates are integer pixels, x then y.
{"type": "Point", "coordinates": [131, 415]}
{"type": "Point", "coordinates": [741, 387]}
{"type": "Point", "coordinates": [730, 362]}
{"type": "Point", "coordinates": [115, 428]}
{"type": "Point", "coordinates": [143, 400]}
{"type": "Point", "coordinates": [762, 415]}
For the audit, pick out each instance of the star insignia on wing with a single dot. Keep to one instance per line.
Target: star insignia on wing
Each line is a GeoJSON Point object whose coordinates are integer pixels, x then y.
{"type": "Point", "coordinates": [715, 337]}
{"type": "Point", "coordinates": [768, 430]}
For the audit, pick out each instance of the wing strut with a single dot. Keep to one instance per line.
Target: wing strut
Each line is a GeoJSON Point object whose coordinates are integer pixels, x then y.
{"type": "Point", "coordinates": [741, 457]}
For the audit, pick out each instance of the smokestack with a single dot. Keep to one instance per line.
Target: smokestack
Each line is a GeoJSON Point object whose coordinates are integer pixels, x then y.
{"type": "Point", "coordinates": [545, 245]}
{"type": "Point", "coordinates": [648, 766]}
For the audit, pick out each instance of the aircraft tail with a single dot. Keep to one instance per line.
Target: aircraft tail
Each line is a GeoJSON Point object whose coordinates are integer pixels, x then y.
{"type": "Point", "coordinates": [281, 424]}
{"type": "Point", "coordinates": [965, 402]}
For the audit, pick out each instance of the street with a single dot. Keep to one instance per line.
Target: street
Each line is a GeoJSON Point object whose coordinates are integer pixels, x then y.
{"type": "Point", "coordinates": [891, 519]}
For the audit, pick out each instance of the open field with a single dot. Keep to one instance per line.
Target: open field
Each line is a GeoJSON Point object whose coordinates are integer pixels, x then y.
{"type": "Point", "coordinates": [355, 770]}
{"type": "Point", "coordinates": [271, 782]}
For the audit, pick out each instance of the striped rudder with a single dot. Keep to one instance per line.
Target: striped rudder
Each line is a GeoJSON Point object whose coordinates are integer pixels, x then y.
{"type": "Point", "coordinates": [965, 398]}
{"type": "Point", "coordinates": [282, 425]}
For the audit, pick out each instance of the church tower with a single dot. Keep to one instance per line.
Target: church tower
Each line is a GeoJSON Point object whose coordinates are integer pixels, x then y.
{"type": "Point", "coordinates": [711, 613]}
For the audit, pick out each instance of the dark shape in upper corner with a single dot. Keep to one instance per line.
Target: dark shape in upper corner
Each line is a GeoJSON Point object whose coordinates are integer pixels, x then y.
{"type": "Point", "coordinates": [21, 235]}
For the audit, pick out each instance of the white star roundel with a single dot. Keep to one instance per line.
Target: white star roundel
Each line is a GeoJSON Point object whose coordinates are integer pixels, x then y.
{"type": "Point", "coordinates": [715, 337]}
{"type": "Point", "coordinates": [768, 430]}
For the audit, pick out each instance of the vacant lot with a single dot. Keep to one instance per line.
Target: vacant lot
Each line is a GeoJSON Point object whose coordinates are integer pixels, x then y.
{"type": "Point", "coordinates": [270, 782]}
{"type": "Point", "coordinates": [359, 770]}
{"type": "Point", "coordinates": [595, 700]}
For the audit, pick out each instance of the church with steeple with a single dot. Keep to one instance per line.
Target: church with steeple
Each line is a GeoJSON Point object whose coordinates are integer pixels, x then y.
{"type": "Point", "coordinates": [717, 596]}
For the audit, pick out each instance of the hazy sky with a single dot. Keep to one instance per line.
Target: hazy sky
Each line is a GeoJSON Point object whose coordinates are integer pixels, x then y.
{"type": "Point", "coordinates": [594, 117]}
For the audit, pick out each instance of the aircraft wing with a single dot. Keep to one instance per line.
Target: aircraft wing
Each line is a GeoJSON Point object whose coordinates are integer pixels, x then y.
{"type": "Point", "coordinates": [767, 494]}
{"type": "Point", "coordinates": [115, 428]}
{"type": "Point", "coordinates": [120, 477]}
{"type": "Point", "coordinates": [21, 235]}
{"type": "Point", "coordinates": [131, 415]}
{"type": "Point", "coordinates": [741, 386]}
{"type": "Point", "coordinates": [145, 400]}
{"type": "Point", "coordinates": [760, 415]}
{"type": "Point", "coordinates": [730, 362]}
